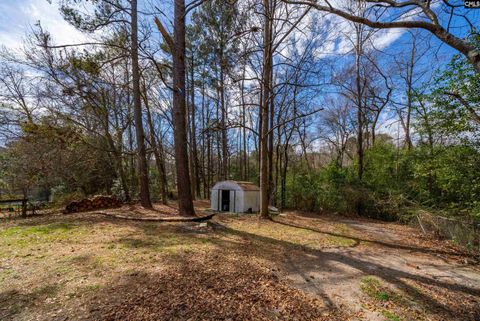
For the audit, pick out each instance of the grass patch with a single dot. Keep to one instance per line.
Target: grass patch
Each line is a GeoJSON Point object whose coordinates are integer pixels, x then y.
{"type": "Point", "coordinates": [15, 308]}
{"type": "Point", "coordinates": [390, 316]}
{"type": "Point", "coordinates": [84, 290]}
{"type": "Point", "coordinates": [342, 238]}
{"type": "Point", "coordinates": [341, 228]}
{"type": "Point", "coordinates": [24, 236]}
{"type": "Point", "coordinates": [341, 241]}
{"type": "Point", "coordinates": [164, 242]}
{"type": "Point", "coordinates": [93, 287]}
{"type": "Point", "coordinates": [372, 287]}
{"type": "Point", "coordinates": [17, 231]}
{"type": "Point", "coordinates": [45, 291]}
{"type": "Point", "coordinates": [93, 263]}
{"type": "Point", "coordinates": [401, 302]}
{"type": "Point", "coordinates": [132, 243]}
{"type": "Point", "coordinates": [293, 235]}
{"type": "Point", "coordinates": [6, 274]}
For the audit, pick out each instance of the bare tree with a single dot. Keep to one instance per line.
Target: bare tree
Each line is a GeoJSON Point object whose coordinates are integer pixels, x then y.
{"type": "Point", "coordinates": [409, 73]}
{"type": "Point", "coordinates": [137, 110]}
{"type": "Point", "coordinates": [399, 15]}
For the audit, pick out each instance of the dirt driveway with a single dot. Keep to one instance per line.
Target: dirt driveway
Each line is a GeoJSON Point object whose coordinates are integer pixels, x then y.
{"type": "Point", "coordinates": [390, 272]}
{"type": "Point", "coordinates": [297, 267]}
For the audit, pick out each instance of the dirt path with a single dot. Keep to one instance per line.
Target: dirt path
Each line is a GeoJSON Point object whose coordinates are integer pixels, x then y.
{"type": "Point", "coordinates": [426, 279]}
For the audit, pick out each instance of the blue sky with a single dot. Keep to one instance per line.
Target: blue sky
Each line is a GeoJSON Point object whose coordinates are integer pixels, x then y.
{"type": "Point", "coordinates": [18, 16]}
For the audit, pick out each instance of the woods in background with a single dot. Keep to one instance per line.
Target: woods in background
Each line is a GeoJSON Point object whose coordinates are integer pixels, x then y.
{"type": "Point", "coordinates": [306, 100]}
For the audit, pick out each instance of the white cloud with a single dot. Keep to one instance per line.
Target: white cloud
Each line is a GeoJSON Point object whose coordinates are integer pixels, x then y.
{"type": "Point", "coordinates": [334, 35]}
{"type": "Point", "coordinates": [18, 17]}
{"type": "Point", "coordinates": [385, 37]}
{"type": "Point", "coordinates": [341, 33]}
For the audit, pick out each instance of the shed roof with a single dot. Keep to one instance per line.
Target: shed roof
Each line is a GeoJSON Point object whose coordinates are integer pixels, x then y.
{"type": "Point", "coordinates": [246, 186]}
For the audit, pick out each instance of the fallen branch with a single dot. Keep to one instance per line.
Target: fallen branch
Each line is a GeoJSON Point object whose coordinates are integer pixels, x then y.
{"type": "Point", "coordinates": [160, 219]}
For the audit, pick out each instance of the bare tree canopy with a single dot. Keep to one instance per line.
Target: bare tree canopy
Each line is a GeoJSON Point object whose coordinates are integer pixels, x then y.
{"type": "Point", "coordinates": [433, 16]}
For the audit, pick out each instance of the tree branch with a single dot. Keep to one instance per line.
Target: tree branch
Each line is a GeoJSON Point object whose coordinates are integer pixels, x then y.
{"type": "Point", "coordinates": [466, 104]}
{"type": "Point", "coordinates": [165, 34]}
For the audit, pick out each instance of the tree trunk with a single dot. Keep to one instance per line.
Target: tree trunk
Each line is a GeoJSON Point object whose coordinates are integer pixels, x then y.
{"type": "Point", "coordinates": [284, 178]}
{"type": "Point", "coordinates": [118, 164]}
{"type": "Point", "coordinates": [137, 109]}
{"type": "Point", "coordinates": [266, 91]}
{"type": "Point", "coordinates": [185, 203]}
{"type": "Point", "coordinates": [243, 143]}
{"type": "Point", "coordinates": [271, 106]}
{"type": "Point", "coordinates": [159, 161]}
{"type": "Point", "coordinates": [410, 69]}
{"type": "Point", "coordinates": [360, 124]}
{"type": "Point", "coordinates": [408, 139]}
{"type": "Point", "coordinates": [225, 174]}
{"type": "Point", "coordinates": [204, 146]}
{"type": "Point", "coordinates": [133, 186]}
{"type": "Point", "coordinates": [195, 173]}
{"type": "Point", "coordinates": [190, 138]}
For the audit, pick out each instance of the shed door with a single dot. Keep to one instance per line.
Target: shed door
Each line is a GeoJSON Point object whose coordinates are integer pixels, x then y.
{"type": "Point", "coordinates": [225, 201]}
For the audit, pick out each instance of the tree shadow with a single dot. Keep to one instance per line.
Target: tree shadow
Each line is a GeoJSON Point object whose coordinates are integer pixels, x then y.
{"type": "Point", "coordinates": [206, 287]}
{"type": "Point", "coordinates": [14, 302]}
{"type": "Point", "coordinates": [308, 259]}
{"type": "Point", "coordinates": [396, 246]}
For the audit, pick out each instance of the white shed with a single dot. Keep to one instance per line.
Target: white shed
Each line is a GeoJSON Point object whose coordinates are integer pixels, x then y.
{"type": "Point", "coordinates": [236, 197]}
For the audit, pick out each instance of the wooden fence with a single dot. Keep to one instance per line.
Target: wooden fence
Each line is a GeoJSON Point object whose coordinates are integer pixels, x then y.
{"type": "Point", "coordinates": [14, 206]}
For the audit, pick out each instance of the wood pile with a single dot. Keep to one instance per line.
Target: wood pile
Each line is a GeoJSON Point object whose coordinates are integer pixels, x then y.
{"type": "Point", "coordinates": [89, 204]}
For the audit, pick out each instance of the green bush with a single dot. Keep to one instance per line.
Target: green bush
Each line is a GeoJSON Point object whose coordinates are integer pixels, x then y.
{"type": "Point", "coordinates": [316, 190]}
{"type": "Point", "coordinates": [60, 196]}
{"type": "Point", "coordinates": [330, 189]}
{"type": "Point", "coordinates": [394, 180]}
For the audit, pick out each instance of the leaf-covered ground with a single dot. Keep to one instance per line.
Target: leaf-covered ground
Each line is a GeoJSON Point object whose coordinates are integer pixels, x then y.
{"type": "Point", "coordinates": [298, 267]}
